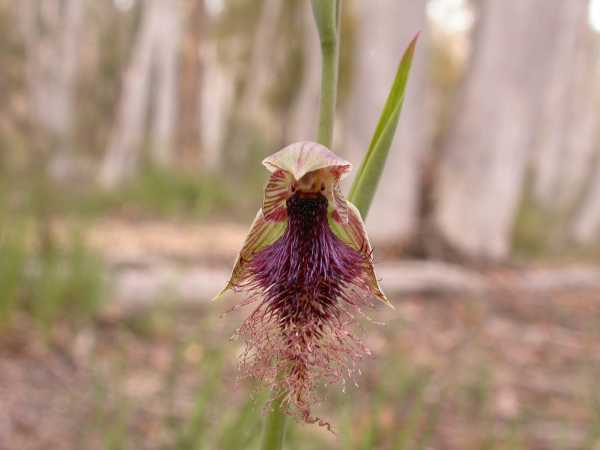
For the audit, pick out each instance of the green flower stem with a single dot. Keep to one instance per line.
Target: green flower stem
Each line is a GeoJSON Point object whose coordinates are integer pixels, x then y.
{"type": "Point", "coordinates": [274, 427]}
{"type": "Point", "coordinates": [327, 18]}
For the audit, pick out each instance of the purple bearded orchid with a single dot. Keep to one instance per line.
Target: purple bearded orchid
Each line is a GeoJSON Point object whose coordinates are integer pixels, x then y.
{"type": "Point", "coordinates": [308, 263]}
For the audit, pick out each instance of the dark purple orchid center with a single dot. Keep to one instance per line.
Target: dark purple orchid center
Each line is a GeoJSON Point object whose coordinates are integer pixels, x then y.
{"type": "Point", "coordinates": [307, 282]}
{"type": "Point", "coordinates": [304, 273]}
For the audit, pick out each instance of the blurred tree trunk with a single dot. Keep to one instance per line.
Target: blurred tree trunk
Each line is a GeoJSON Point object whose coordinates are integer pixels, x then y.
{"type": "Point", "coordinates": [253, 114]}
{"type": "Point", "coordinates": [585, 228]}
{"type": "Point", "coordinates": [124, 147]}
{"type": "Point", "coordinates": [260, 68]}
{"type": "Point", "coordinates": [305, 113]}
{"type": "Point", "coordinates": [569, 124]}
{"type": "Point", "coordinates": [154, 53]}
{"type": "Point", "coordinates": [190, 118]}
{"type": "Point", "coordinates": [166, 69]}
{"type": "Point", "coordinates": [52, 33]}
{"type": "Point", "coordinates": [485, 154]}
{"type": "Point", "coordinates": [216, 104]}
{"type": "Point", "coordinates": [383, 34]}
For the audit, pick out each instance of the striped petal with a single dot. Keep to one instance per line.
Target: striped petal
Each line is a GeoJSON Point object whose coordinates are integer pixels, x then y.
{"type": "Point", "coordinates": [262, 234]}
{"type": "Point", "coordinates": [276, 194]}
{"type": "Point", "coordinates": [339, 203]}
{"type": "Point", "coordinates": [354, 234]}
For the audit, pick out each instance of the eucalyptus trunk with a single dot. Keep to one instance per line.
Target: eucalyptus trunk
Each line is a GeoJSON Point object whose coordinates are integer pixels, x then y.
{"type": "Point", "coordinates": [585, 227]}
{"type": "Point", "coordinates": [260, 74]}
{"type": "Point", "coordinates": [154, 53]}
{"type": "Point", "coordinates": [487, 149]}
{"type": "Point", "coordinates": [564, 150]}
{"type": "Point", "coordinates": [52, 32]}
{"type": "Point", "coordinates": [191, 79]}
{"type": "Point", "coordinates": [166, 68]}
{"type": "Point", "coordinates": [215, 105]}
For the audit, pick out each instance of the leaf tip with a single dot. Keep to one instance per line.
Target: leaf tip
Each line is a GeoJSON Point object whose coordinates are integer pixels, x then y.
{"type": "Point", "coordinates": [413, 43]}
{"type": "Point", "coordinates": [221, 294]}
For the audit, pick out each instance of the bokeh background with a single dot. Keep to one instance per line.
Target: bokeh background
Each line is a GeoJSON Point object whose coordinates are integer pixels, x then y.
{"type": "Point", "coordinates": [131, 135]}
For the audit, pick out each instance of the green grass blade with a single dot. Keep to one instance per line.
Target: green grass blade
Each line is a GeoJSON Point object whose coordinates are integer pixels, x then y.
{"type": "Point", "coordinates": [275, 426]}
{"type": "Point", "coordinates": [240, 431]}
{"type": "Point", "coordinates": [365, 184]}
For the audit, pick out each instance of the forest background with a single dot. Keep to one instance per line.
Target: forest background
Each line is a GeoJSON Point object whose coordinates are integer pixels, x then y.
{"type": "Point", "coordinates": [131, 135]}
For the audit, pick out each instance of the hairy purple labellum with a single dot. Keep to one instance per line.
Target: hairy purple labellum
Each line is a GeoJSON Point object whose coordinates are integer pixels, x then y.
{"type": "Point", "coordinates": [309, 283]}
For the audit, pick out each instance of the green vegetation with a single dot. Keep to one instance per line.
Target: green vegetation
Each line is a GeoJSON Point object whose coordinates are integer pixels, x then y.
{"type": "Point", "coordinates": [533, 232]}
{"type": "Point", "coordinates": [539, 235]}
{"type": "Point", "coordinates": [167, 194]}
{"type": "Point", "coordinates": [153, 193]}
{"type": "Point", "coordinates": [48, 285]}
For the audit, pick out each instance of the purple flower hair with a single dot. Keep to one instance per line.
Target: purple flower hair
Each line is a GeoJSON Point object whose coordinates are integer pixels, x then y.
{"type": "Point", "coordinates": [308, 265]}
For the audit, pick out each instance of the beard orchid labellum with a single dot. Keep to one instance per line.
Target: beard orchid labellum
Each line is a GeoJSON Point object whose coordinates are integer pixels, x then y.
{"type": "Point", "coordinates": [308, 265]}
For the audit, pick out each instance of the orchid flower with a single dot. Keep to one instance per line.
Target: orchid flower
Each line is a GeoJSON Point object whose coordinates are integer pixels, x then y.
{"type": "Point", "coordinates": [307, 264]}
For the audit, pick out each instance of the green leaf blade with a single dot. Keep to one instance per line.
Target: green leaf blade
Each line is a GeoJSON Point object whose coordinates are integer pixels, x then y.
{"type": "Point", "coordinates": [368, 176]}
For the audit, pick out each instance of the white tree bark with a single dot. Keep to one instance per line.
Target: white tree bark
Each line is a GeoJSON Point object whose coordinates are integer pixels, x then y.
{"type": "Point", "coordinates": [566, 138]}
{"type": "Point", "coordinates": [166, 68]}
{"type": "Point", "coordinates": [52, 33]}
{"type": "Point", "coordinates": [383, 34]}
{"type": "Point", "coordinates": [154, 51]}
{"type": "Point", "coordinates": [215, 106]}
{"type": "Point", "coordinates": [487, 149]}
{"type": "Point", "coordinates": [191, 76]}
{"type": "Point", "coordinates": [585, 228]}
{"type": "Point", "coordinates": [124, 147]}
